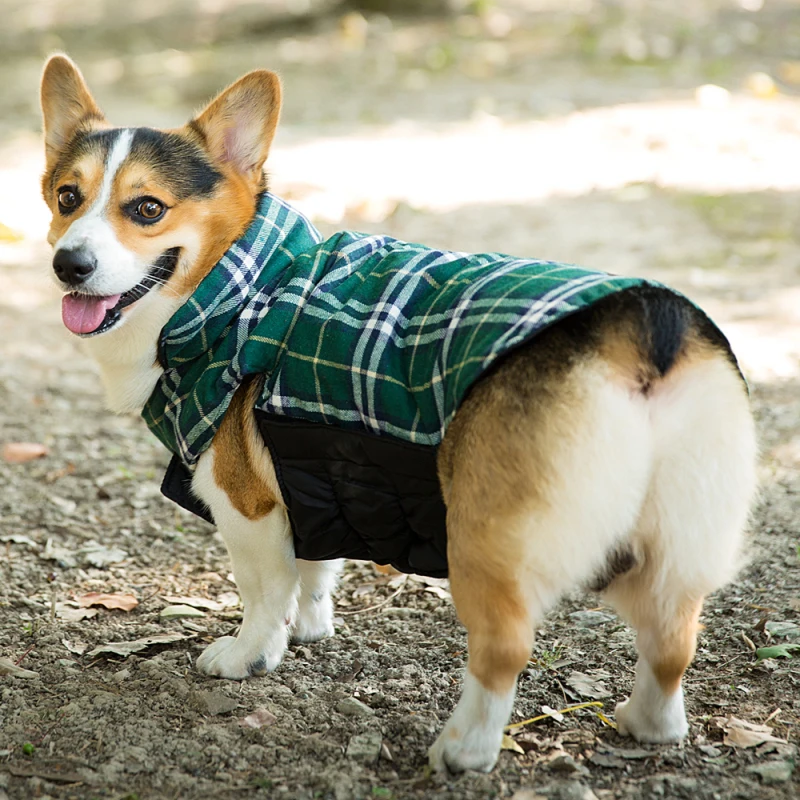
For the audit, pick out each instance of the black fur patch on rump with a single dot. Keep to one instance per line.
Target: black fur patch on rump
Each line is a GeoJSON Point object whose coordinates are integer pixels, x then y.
{"type": "Point", "coordinates": [665, 325]}
{"type": "Point", "coordinates": [666, 320]}
{"type": "Point", "coordinates": [180, 165]}
{"type": "Point", "coordinates": [659, 320]}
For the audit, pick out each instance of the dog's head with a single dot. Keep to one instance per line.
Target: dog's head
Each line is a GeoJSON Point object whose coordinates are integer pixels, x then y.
{"type": "Point", "coordinates": [141, 215]}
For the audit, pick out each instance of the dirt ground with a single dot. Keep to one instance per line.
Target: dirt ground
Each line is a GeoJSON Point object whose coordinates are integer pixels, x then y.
{"type": "Point", "coordinates": [568, 131]}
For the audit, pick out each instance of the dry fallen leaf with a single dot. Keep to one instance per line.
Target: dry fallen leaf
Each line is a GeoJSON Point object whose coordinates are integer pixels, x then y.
{"type": "Point", "coordinates": [98, 555]}
{"type": "Point", "coordinates": [180, 612]}
{"type": "Point", "coordinates": [528, 741]}
{"type": "Point", "coordinates": [587, 686]}
{"type": "Point", "coordinates": [125, 649]}
{"type": "Point", "coordinates": [260, 718]}
{"type": "Point", "coordinates": [194, 602]}
{"type": "Point", "coordinates": [125, 602]}
{"type": "Point", "coordinates": [8, 667]}
{"type": "Point", "coordinates": [510, 744]}
{"type": "Point", "coordinates": [69, 613]}
{"type": "Point", "coordinates": [20, 452]}
{"type": "Point", "coordinates": [385, 569]}
{"type": "Point", "coordinates": [788, 629]}
{"type": "Point", "coordinates": [551, 712]}
{"type": "Point", "coordinates": [740, 733]}
{"type": "Point", "coordinates": [18, 538]}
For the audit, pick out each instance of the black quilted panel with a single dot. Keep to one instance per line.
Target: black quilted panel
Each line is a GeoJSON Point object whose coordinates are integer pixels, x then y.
{"type": "Point", "coordinates": [355, 495]}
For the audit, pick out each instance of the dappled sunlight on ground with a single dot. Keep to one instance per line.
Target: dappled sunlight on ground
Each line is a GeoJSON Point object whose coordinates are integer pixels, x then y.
{"type": "Point", "coordinates": [749, 145]}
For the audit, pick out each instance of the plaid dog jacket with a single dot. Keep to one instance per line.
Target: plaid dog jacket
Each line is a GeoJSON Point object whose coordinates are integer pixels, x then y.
{"type": "Point", "coordinates": [366, 346]}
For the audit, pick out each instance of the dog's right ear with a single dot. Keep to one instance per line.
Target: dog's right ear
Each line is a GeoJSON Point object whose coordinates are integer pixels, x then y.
{"type": "Point", "coordinates": [238, 125]}
{"type": "Point", "coordinates": [66, 103]}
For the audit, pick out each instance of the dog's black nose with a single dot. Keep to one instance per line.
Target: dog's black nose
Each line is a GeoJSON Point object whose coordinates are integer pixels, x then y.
{"type": "Point", "coordinates": [73, 267]}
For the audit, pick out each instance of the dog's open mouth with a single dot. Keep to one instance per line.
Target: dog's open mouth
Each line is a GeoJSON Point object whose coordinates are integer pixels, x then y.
{"type": "Point", "coordinates": [90, 314]}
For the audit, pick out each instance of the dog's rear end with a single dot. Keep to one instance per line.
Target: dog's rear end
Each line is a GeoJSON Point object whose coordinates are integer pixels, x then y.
{"type": "Point", "coordinates": [617, 449]}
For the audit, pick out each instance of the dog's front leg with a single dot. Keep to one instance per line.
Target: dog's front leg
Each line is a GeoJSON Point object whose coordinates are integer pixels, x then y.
{"type": "Point", "coordinates": [262, 555]}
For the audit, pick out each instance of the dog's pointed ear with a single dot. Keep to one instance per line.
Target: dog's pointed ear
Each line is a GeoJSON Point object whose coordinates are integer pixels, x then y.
{"type": "Point", "coordinates": [239, 124]}
{"type": "Point", "coordinates": [66, 103]}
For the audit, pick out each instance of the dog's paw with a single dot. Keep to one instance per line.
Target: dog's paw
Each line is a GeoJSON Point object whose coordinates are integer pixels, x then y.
{"type": "Point", "coordinates": [667, 724]}
{"type": "Point", "coordinates": [456, 751]}
{"type": "Point", "coordinates": [230, 657]}
{"type": "Point", "coordinates": [314, 619]}
{"type": "Point", "coordinates": [472, 737]}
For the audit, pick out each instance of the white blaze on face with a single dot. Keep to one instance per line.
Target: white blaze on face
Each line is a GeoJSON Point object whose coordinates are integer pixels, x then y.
{"type": "Point", "coordinates": [118, 269]}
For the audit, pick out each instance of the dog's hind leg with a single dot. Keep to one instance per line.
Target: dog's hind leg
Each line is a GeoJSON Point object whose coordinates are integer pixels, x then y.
{"type": "Point", "coordinates": [315, 604]}
{"type": "Point", "coordinates": [688, 539]}
{"type": "Point", "coordinates": [544, 472]}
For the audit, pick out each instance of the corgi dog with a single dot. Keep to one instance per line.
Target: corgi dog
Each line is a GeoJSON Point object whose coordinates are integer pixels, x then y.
{"type": "Point", "coordinates": [602, 437]}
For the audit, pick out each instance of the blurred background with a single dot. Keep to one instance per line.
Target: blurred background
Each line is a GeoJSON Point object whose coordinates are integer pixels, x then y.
{"type": "Point", "coordinates": [648, 136]}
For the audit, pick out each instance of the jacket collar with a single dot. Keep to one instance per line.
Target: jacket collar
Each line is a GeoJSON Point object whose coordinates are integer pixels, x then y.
{"type": "Point", "coordinates": [250, 270]}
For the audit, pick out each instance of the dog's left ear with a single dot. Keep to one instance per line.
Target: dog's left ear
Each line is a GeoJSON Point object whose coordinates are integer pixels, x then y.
{"type": "Point", "coordinates": [239, 124]}
{"type": "Point", "coordinates": [67, 104]}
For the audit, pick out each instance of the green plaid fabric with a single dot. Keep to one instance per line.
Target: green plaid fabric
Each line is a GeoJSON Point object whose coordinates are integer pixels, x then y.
{"type": "Point", "coordinates": [367, 333]}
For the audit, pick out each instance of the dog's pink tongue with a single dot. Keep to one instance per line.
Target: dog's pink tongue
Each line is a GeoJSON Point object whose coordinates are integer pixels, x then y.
{"type": "Point", "coordinates": [83, 313]}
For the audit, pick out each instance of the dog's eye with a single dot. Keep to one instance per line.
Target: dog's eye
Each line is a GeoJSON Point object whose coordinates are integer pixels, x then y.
{"type": "Point", "coordinates": [151, 210]}
{"type": "Point", "coordinates": [67, 199]}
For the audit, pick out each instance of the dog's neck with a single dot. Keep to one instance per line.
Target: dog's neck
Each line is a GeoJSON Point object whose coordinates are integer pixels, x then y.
{"type": "Point", "coordinates": [128, 354]}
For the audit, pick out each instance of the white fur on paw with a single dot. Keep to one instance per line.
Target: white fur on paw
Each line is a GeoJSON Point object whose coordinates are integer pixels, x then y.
{"type": "Point", "coordinates": [472, 737]}
{"type": "Point", "coordinates": [314, 620]}
{"type": "Point", "coordinates": [455, 751]}
{"type": "Point", "coordinates": [228, 657]}
{"type": "Point", "coordinates": [669, 726]}
{"type": "Point", "coordinates": [649, 714]}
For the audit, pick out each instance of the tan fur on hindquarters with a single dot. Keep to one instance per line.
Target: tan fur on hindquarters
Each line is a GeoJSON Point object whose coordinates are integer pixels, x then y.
{"type": "Point", "coordinates": [523, 473]}
{"type": "Point", "coordinates": [507, 466]}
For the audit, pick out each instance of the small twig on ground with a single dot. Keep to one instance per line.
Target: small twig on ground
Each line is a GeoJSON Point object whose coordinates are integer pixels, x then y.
{"type": "Point", "coordinates": [151, 595]}
{"type": "Point", "coordinates": [377, 605]}
{"type": "Point", "coordinates": [22, 657]}
{"type": "Point", "coordinates": [515, 726]}
{"type": "Point", "coordinates": [717, 672]}
{"type": "Point", "coordinates": [50, 729]}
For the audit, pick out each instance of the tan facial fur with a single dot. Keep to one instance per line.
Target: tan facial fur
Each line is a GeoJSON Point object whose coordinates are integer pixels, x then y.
{"type": "Point", "coordinates": [206, 174]}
